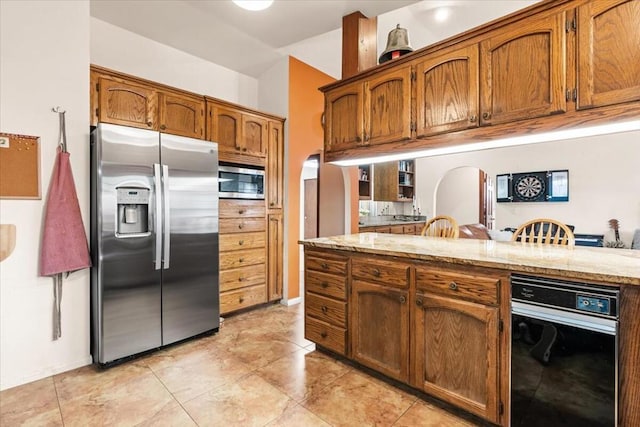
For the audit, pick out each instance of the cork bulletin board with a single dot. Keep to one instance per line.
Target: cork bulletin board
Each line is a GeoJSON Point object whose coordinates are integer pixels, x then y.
{"type": "Point", "coordinates": [19, 166]}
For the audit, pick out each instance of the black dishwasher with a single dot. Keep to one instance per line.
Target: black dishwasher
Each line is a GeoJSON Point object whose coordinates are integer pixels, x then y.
{"type": "Point", "coordinates": [564, 361]}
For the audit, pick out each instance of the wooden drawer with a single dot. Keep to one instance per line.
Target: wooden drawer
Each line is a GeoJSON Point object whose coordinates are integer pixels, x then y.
{"type": "Point", "coordinates": [326, 309]}
{"type": "Point", "coordinates": [237, 259]}
{"type": "Point", "coordinates": [396, 229]}
{"type": "Point", "coordinates": [242, 225]}
{"type": "Point", "coordinates": [472, 287]}
{"type": "Point", "coordinates": [241, 208]}
{"type": "Point", "coordinates": [326, 284]}
{"type": "Point", "coordinates": [325, 335]}
{"type": "Point", "coordinates": [242, 298]}
{"type": "Point", "coordinates": [242, 277]}
{"type": "Point", "coordinates": [238, 241]}
{"type": "Point", "coordinates": [327, 263]}
{"type": "Point", "coordinates": [388, 273]}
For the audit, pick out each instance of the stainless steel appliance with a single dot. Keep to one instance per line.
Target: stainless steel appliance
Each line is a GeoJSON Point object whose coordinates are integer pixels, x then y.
{"type": "Point", "coordinates": [154, 240]}
{"type": "Point", "coordinates": [564, 358]}
{"type": "Point", "coordinates": [240, 182]}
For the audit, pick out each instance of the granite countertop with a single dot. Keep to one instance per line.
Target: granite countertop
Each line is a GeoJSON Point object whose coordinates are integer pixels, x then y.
{"type": "Point", "coordinates": [616, 266]}
{"type": "Point", "coordinates": [384, 220]}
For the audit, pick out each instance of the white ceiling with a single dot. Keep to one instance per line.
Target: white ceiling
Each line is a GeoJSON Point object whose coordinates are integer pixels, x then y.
{"type": "Point", "coordinates": [221, 32]}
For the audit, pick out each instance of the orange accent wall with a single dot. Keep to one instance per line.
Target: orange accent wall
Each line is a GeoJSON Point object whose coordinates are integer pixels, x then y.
{"type": "Point", "coordinates": [306, 137]}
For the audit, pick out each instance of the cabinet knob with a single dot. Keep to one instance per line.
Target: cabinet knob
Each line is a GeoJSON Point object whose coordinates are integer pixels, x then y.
{"type": "Point", "coordinates": [272, 204]}
{"type": "Point", "coordinates": [240, 225]}
{"type": "Point", "coordinates": [473, 119]}
{"type": "Point", "coordinates": [419, 302]}
{"type": "Point", "coordinates": [486, 116]}
{"type": "Point", "coordinates": [453, 286]}
{"type": "Point", "coordinates": [376, 272]}
{"type": "Point", "coordinates": [323, 334]}
{"type": "Point", "coordinates": [324, 284]}
{"type": "Point", "coordinates": [241, 300]}
{"type": "Point", "coordinates": [241, 211]}
{"type": "Point", "coordinates": [163, 127]}
{"type": "Point", "coordinates": [324, 309]}
{"type": "Point", "coordinates": [241, 242]}
{"type": "Point", "coordinates": [324, 266]}
{"type": "Point", "coordinates": [237, 147]}
{"type": "Point", "coordinates": [244, 149]}
{"type": "Point", "coordinates": [240, 259]}
{"type": "Point", "coordinates": [149, 123]}
{"type": "Point", "coordinates": [240, 279]}
{"type": "Point", "coordinates": [358, 139]}
{"type": "Point", "coordinates": [403, 299]}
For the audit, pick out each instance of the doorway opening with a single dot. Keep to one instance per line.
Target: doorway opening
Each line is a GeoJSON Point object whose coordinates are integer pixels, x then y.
{"type": "Point", "coordinates": [466, 194]}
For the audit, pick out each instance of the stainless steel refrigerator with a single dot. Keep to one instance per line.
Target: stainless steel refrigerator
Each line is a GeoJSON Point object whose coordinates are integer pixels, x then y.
{"type": "Point", "coordinates": [154, 240]}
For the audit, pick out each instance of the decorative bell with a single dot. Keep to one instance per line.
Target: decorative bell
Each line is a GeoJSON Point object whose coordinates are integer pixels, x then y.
{"type": "Point", "coordinates": [397, 44]}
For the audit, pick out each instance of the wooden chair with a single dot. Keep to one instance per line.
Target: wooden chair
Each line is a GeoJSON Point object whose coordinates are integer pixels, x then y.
{"type": "Point", "coordinates": [441, 226]}
{"type": "Point", "coordinates": [544, 231]}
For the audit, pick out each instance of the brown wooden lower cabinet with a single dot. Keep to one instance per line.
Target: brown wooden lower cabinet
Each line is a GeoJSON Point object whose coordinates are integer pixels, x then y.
{"type": "Point", "coordinates": [456, 353]}
{"type": "Point", "coordinates": [380, 328]}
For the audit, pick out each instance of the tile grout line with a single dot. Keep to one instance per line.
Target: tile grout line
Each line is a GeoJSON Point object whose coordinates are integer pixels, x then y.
{"type": "Point", "coordinates": [55, 389]}
{"type": "Point", "coordinates": [172, 395]}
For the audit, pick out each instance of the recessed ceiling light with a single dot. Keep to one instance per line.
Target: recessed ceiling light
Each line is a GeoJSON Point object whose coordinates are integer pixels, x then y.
{"type": "Point", "coordinates": [253, 4]}
{"type": "Point", "coordinates": [442, 14]}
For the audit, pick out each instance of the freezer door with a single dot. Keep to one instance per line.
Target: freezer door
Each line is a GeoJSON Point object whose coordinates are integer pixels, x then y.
{"type": "Point", "coordinates": [126, 288]}
{"type": "Point", "coordinates": [190, 291]}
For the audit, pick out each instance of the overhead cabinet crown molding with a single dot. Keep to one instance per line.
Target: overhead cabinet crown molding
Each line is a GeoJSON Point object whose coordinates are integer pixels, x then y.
{"type": "Point", "coordinates": [555, 65]}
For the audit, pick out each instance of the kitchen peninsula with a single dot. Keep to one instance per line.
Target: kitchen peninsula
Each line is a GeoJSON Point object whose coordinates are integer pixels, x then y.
{"type": "Point", "coordinates": [436, 313]}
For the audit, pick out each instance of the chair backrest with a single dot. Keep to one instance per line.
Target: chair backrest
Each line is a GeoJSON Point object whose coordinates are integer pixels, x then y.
{"type": "Point", "coordinates": [441, 226]}
{"type": "Point", "coordinates": [544, 231]}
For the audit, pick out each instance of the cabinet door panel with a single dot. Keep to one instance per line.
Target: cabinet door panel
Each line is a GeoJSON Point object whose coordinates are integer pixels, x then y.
{"type": "Point", "coordinates": [275, 256]}
{"type": "Point", "coordinates": [456, 345]}
{"type": "Point", "coordinates": [225, 127]}
{"type": "Point", "coordinates": [380, 329]}
{"type": "Point", "coordinates": [447, 92]}
{"type": "Point", "coordinates": [523, 71]}
{"type": "Point", "coordinates": [343, 118]}
{"type": "Point", "coordinates": [275, 167]}
{"type": "Point", "coordinates": [127, 104]}
{"type": "Point", "coordinates": [388, 107]}
{"type": "Point", "coordinates": [608, 53]}
{"type": "Point", "coordinates": [182, 115]}
{"type": "Point", "coordinates": [254, 135]}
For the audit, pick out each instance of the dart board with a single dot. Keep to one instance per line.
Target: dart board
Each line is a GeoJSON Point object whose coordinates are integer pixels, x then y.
{"type": "Point", "coordinates": [530, 186]}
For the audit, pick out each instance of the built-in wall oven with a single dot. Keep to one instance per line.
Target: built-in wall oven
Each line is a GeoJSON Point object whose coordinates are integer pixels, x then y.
{"type": "Point", "coordinates": [240, 182]}
{"type": "Point", "coordinates": [564, 358]}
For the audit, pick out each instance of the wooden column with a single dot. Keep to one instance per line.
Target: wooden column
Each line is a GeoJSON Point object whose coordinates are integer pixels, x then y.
{"type": "Point", "coordinates": [359, 43]}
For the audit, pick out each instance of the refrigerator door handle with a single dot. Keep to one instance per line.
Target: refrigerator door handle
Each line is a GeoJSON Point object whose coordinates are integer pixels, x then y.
{"type": "Point", "coordinates": [158, 214]}
{"type": "Point", "coordinates": [167, 217]}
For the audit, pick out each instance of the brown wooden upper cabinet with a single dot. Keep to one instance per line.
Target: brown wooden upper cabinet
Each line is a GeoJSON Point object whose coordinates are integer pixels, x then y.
{"type": "Point", "coordinates": [181, 115]}
{"type": "Point", "coordinates": [447, 91]}
{"type": "Point", "coordinates": [343, 115]}
{"type": "Point", "coordinates": [275, 167]}
{"type": "Point", "coordinates": [523, 71]}
{"type": "Point", "coordinates": [237, 131]}
{"type": "Point", "coordinates": [387, 106]}
{"type": "Point", "coordinates": [126, 103]}
{"type": "Point", "coordinates": [608, 33]}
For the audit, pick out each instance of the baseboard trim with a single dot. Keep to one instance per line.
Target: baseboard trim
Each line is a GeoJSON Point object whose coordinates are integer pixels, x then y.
{"type": "Point", "coordinates": [45, 373]}
{"type": "Point", "coordinates": [291, 301]}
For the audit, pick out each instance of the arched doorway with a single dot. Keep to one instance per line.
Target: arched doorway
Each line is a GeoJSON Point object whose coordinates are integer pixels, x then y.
{"type": "Point", "coordinates": [466, 194]}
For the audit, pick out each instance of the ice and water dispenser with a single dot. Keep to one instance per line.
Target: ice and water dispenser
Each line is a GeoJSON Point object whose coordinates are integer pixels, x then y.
{"type": "Point", "coordinates": [133, 211]}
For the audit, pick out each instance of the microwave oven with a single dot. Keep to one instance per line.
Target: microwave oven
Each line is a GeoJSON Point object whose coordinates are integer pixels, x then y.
{"type": "Point", "coordinates": [235, 182]}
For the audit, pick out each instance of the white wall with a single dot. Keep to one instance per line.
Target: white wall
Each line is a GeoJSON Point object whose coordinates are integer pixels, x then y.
{"type": "Point", "coordinates": [44, 57]}
{"type": "Point", "coordinates": [121, 50]}
{"type": "Point", "coordinates": [604, 182]}
{"type": "Point", "coordinates": [457, 195]}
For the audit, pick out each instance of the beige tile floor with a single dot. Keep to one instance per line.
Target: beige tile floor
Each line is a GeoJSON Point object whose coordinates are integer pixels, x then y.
{"type": "Point", "coordinates": [257, 371]}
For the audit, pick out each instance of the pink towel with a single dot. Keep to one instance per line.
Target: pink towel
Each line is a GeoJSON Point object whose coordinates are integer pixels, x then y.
{"type": "Point", "coordinates": [64, 241]}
